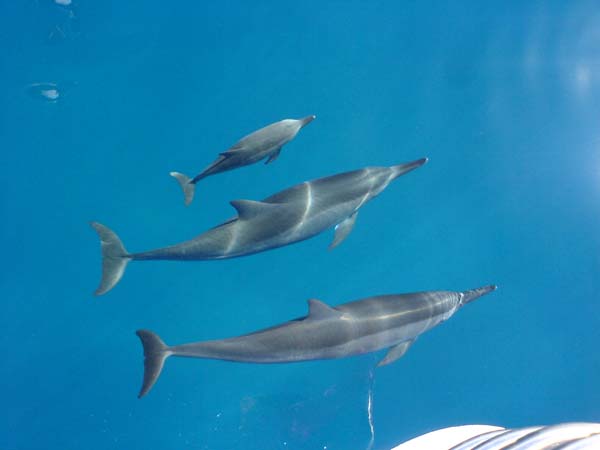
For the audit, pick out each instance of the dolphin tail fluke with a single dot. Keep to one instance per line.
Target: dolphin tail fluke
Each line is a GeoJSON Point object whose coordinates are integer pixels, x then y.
{"type": "Point", "coordinates": [114, 258]}
{"type": "Point", "coordinates": [401, 169]}
{"type": "Point", "coordinates": [155, 353]}
{"type": "Point", "coordinates": [187, 184]}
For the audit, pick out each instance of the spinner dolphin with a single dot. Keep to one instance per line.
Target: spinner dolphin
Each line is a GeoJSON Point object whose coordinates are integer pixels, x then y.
{"type": "Point", "coordinates": [362, 326]}
{"type": "Point", "coordinates": [290, 216]}
{"type": "Point", "coordinates": [264, 143]}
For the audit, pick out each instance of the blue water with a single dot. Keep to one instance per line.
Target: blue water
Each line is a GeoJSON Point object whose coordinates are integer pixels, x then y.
{"type": "Point", "coordinates": [503, 97]}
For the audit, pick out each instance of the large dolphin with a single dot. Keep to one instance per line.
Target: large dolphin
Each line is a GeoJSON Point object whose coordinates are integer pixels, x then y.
{"type": "Point", "coordinates": [264, 143]}
{"type": "Point", "coordinates": [289, 216]}
{"type": "Point", "coordinates": [362, 326]}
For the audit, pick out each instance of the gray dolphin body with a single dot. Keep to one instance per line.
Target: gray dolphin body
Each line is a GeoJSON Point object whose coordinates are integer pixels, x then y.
{"type": "Point", "coordinates": [264, 143]}
{"type": "Point", "coordinates": [354, 328]}
{"type": "Point", "coordinates": [289, 216]}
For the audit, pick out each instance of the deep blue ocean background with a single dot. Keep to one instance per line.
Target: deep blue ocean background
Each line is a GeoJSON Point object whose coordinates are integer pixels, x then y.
{"type": "Point", "coordinates": [503, 97]}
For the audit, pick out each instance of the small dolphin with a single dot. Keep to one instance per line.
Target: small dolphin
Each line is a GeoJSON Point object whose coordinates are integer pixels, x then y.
{"type": "Point", "coordinates": [354, 328]}
{"type": "Point", "coordinates": [292, 215]}
{"type": "Point", "coordinates": [264, 143]}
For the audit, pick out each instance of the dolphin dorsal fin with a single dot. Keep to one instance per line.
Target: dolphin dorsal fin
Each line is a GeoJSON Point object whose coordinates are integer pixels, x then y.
{"type": "Point", "coordinates": [317, 310]}
{"type": "Point", "coordinates": [248, 209]}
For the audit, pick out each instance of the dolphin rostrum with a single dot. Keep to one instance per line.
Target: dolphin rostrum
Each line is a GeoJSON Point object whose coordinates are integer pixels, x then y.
{"type": "Point", "coordinates": [362, 326]}
{"type": "Point", "coordinates": [292, 215]}
{"type": "Point", "coordinates": [264, 143]}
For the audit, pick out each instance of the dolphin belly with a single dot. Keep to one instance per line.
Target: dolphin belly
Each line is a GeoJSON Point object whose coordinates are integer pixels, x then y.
{"type": "Point", "coordinates": [386, 338]}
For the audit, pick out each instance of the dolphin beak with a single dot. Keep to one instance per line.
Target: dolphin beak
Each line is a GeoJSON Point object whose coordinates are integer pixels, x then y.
{"type": "Point", "coordinates": [401, 169]}
{"type": "Point", "coordinates": [474, 294]}
{"type": "Point", "coordinates": [307, 120]}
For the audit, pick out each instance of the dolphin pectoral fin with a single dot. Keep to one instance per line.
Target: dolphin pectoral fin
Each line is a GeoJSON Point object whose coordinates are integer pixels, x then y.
{"type": "Point", "coordinates": [342, 230]}
{"type": "Point", "coordinates": [273, 156]}
{"type": "Point", "coordinates": [318, 310]}
{"type": "Point", "coordinates": [155, 353]}
{"type": "Point", "coordinates": [395, 352]}
{"type": "Point", "coordinates": [248, 209]}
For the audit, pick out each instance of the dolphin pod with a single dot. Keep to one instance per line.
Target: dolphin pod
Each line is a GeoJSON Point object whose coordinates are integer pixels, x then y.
{"type": "Point", "coordinates": [290, 216]}
{"type": "Point", "coordinates": [264, 143]}
{"type": "Point", "coordinates": [362, 326]}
